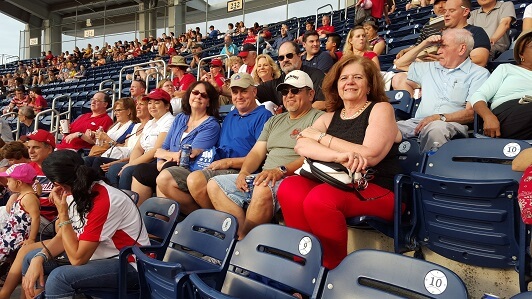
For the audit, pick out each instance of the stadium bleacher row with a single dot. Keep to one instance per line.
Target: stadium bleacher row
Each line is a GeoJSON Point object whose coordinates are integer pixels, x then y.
{"type": "Point", "coordinates": [423, 191]}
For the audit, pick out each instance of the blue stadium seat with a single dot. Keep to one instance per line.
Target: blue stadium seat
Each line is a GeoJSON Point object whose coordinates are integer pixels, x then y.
{"type": "Point", "coordinates": [523, 295]}
{"type": "Point", "coordinates": [160, 217]}
{"type": "Point", "coordinates": [465, 206]}
{"type": "Point", "coordinates": [410, 159]}
{"type": "Point", "coordinates": [506, 57]}
{"type": "Point", "coordinates": [369, 274]}
{"type": "Point", "coordinates": [202, 242]}
{"type": "Point", "coordinates": [272, 261]}
{"type": "Point", "coordinates": [402, 103]}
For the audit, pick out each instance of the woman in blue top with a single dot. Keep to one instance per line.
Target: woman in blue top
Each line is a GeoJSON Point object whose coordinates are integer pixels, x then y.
{"type": "Point", "coordinates": [197, 125]}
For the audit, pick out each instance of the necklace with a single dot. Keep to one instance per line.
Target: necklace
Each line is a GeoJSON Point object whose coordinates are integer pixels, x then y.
{"type": "Point", "coordinates": [342, 115]}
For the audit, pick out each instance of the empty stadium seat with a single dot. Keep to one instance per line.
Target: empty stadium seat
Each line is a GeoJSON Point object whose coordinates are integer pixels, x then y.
{"type": "Point", "coordinates": [466, 207]}
{"type": "Point", "coordinates": [370, 274]}
{"type": "Point", "coordinates": [272, 261]}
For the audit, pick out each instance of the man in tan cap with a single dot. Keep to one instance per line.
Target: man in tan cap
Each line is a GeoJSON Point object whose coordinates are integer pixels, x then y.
{"type": "Point", "coordinates": [273, 152]}
{"type": "Point", "coordinates": [240, 130]}
{"type": "Point", "coordinates": [182, 79]}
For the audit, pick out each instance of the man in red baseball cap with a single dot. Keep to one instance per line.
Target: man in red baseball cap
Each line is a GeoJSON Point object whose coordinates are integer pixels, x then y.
{"type": "Point", "coordinates": [40, 145]}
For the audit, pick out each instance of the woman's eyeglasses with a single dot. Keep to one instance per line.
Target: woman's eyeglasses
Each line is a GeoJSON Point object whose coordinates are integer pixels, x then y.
{"type": "Point", "coordinates": [289, 56]}
{"type": "Point", "coordinates": [202, 94]}
{"type": "Point", "coordinates": [293, 90]}
{"type": "Point", "coordinates": [118, 110]}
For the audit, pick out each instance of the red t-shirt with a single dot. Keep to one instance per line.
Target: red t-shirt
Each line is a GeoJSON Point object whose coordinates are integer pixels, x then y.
{"type": "Point", "coordinates": [48, 209]}
{"type": "Point", "coordinates": [339, 55]}
{"type": "Point", "coordinates": [250, 40]}
{"type": "Point", "coordinates": [328, 28]}
{"type": "Point", "coordinates": [219, 80]}
{"type": "Point", "coordinates": [184, 83]}
{"type": "Point", "coordinates": [377, 9]}
{"type": "Point", "coordinates": [39, 102]}
{"type": "Point", "coordinates": [82, 124]}
{"type": "Point", "coordinates": [370, 54]}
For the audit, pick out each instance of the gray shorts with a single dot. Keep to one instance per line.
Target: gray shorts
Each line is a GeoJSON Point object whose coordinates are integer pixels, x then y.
{"type": "Point", "coordinates": [180, 175]}
{"type": "Point", "coordinates": [228, 185]}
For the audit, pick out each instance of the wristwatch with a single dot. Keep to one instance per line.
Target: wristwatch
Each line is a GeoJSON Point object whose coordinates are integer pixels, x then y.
{"type": "Point", "coordinates": [283, 169]}
{"type": "Point", "coordinates": [443, 118]}
{"type": "Point", "coordinates": [80, 134]}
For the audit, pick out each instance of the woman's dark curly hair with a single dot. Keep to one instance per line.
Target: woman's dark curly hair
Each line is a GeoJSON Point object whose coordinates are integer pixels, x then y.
{"type": "Point", "coordinates": [214, 103]}
{"type": "Point", "coordinates": [67, 168]}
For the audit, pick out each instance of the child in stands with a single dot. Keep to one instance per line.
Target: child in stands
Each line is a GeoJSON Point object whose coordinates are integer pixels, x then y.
{"type": "Point", "coordinates": [22, 224]}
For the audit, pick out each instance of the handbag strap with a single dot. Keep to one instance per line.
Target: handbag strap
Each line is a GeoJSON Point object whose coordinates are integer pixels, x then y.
{"type": "Point", "coordinates": [122, 138]}
{"type": "Point", "coordinates": [332, 181]}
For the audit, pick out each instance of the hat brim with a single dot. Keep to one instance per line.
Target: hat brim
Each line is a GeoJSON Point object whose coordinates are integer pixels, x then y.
{"type": "Point", "coordinates": [282, 86]}
{"type": "Point", "coordinates": [147, 98]}
{"type": "Point", "coordinates": [517, 44]}
{"type": "Point", "coordinates": [178, 64]}
{"type": "Point", "coordinates": [243, 54]}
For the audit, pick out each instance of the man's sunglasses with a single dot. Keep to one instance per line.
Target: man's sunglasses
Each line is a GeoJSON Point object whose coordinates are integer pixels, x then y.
{"type": "Point", "coordinates": [202, 94]}
{"type": "Point", "coordinates": [293, 90]}
{"type": "Point", "coordinates": [289, 56]}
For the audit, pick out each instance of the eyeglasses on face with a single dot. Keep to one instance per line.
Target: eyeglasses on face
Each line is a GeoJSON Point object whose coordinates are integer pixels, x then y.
{"type": "Point", "coordinates": [118, 110]}
{"type": "Point", "coordinates": [293, 90]}
{"type": "Point", "coordinates": [202, 94]}
{"type": "Point", "coordinates": [96, 100]}
{"type": "Point", "coordinates": [289, 56]}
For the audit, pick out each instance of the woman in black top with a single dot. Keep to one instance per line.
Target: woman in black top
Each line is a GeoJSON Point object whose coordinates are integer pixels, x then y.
{"type": "Point", "coordinates": [358, 131]}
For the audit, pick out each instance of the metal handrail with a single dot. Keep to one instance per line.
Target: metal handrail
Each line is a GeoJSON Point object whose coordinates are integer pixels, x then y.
{"type": "Point", "coordinates": [100, 88]}
{"type": "Point", "coordinates": [211, 57]}
{"type": "Point", "coordinates": [345, 10]}
{"type": "Point", "coordinates": [133, 66]}
{"type": "Point", "coordinates": [258, 39]}
{"type": "Point", "coordinates": [113, 98]}
{"type": "Point", "coordinates": [54, 124]}
{"type": "Point", "coordinates": [331, 11]}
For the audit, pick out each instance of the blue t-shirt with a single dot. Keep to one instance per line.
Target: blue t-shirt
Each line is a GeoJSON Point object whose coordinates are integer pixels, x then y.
{"type": "Point", "coordinates": [239, 133]}
{"type": "Point", "coordinates": [203, 136]}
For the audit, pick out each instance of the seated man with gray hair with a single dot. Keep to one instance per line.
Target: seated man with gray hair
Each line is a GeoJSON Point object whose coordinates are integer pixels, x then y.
{"type": "Point", "coordinates": [447, 86]}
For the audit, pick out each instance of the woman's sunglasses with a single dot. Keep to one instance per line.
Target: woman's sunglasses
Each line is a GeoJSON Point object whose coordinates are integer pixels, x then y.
{"type": "Point", "coordinates": [202, 94]}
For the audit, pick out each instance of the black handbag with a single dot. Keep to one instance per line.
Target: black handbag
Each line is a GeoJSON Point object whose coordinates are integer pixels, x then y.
{"type": "Point", "coordinates": [338, 176]}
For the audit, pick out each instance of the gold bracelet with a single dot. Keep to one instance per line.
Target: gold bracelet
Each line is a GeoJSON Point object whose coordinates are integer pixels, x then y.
{"type": "Point", "coordinates": [330, 140]}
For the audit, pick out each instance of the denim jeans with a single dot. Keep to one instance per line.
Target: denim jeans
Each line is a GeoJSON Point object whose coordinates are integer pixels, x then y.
{"type": "Point", "coordinates": [64, 280]}
{"type": "Point", "coordinates": [124, 180]}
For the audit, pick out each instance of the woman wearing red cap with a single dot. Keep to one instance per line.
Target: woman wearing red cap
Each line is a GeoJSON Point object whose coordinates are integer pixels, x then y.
{"type": "Point", "coordinates": [216, 76]}
{"type": "Point", "coordinates": [197, 126]}
{"type": "Point", "coordinates": [152, 137]}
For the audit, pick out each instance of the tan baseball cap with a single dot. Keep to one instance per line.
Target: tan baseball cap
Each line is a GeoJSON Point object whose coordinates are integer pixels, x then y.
{"type": "Point", "coordinates": [243, 80]}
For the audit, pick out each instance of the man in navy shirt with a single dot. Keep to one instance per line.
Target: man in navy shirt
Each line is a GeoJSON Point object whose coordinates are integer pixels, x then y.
{"type": "Point", "coordinates": [314, 56]}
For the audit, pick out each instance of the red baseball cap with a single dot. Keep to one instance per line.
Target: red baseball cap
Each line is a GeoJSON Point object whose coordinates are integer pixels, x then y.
{"type": "Point", "coordinates": [158, 94]}
{"type": "Point", "coordinates": [42, 136]}
{"type": "Point", "coordinates": [216, 62]}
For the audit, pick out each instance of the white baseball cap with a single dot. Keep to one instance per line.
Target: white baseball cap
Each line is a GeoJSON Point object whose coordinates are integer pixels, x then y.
{"type": "Point", "coordinates": [297, 79]}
